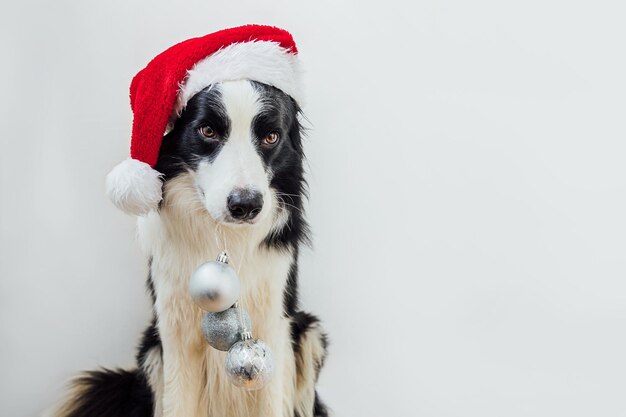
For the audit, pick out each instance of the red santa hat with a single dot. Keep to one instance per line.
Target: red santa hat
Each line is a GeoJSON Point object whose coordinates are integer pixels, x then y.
{"type": "Point", "coordinates": [160, 91]}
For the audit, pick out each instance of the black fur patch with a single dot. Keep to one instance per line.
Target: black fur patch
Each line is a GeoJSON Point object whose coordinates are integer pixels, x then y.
{"type": "Point", "coordinates": [319, 408]}
{"type": "Point", "coordinates": [149, 340]}
{"type": "Point", "coordinates": [184, 147]}
{"type": "Point", "coordinates": [290, 297]}
{"type": "Point", "coordinates": [281, 114]}
{"type": "Point", "coordinates": [150, 284]}
{"type": "Point", "coordinates": [111, 393]}
{"type": "Point", "coordinates": [300, 323]}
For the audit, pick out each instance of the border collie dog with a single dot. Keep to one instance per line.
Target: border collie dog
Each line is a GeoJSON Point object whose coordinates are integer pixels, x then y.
{"type": "Point", "coordinates": [232, 168]}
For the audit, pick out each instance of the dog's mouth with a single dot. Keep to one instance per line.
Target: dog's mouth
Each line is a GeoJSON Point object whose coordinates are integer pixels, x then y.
{"type": "Point", "coordinates": [223, 217]}
{"type": "Point", "coordinates": [231, 221]}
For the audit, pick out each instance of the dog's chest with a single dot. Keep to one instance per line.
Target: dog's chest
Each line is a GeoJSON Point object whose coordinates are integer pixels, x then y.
{"type": "Point", "coordinates": [263, 280]}
{"type": "Point", "coordinates": [263, 274]}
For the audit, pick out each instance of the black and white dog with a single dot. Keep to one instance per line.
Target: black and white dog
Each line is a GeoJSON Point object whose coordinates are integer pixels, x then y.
{"type": "Point", "coordinates": [233, 176]}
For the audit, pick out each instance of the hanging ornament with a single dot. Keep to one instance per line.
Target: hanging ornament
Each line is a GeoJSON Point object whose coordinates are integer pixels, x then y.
{"type": "Point", "coordinates": [249, 363]}
{"type": "Point", "coordinates": [214, 286]}
{"type": "Point", "coordinates": [222, 330]}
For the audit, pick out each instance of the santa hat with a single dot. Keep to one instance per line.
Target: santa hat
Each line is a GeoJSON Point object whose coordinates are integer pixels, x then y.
{"type": "Point", "coordinates": [160, 91]}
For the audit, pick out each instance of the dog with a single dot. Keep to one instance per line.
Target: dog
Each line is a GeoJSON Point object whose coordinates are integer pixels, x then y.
{"type": "Point", "coordinates": [233, 179]}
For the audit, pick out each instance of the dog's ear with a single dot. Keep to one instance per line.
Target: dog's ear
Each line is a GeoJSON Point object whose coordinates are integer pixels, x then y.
{"type": "Point", "coordinates": [299, 127]}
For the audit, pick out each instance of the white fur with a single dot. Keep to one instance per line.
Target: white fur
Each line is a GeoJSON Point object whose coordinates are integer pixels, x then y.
{"type": "Point", "coordinates": [238, 164]}
{"type": "Point", "coordinates": [134, 187]}
{"type": "Point", "coordinates": [195, 381]}
{"type": "Point", "coordinates": [262, 61]}
{"type": "Point", "coordinates": [153, 369]}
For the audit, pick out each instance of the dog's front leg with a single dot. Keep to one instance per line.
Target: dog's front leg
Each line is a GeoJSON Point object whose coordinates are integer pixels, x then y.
{"type": "Point", "coordinates": [310, 352]}
{"type": "Point", "coordinates": [184, 366]}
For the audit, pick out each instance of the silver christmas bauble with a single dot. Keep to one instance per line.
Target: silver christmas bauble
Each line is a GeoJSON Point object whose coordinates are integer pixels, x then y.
{"type": "Point", "coordinates": [222, 330]}
{"type": "Point", "coordinates": [214, 286]}
{"type": "Point", "coordinates": [249, 364]}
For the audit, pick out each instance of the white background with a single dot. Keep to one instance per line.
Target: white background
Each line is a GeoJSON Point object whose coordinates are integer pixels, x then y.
{"type": "Point", "coordinates": [467, 181]}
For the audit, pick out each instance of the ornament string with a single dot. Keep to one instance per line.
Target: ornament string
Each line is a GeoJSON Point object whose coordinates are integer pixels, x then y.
{"type": "Point", "coordinates": [245, 331]}
{"type": "Point", "coordinates": [219, 235]}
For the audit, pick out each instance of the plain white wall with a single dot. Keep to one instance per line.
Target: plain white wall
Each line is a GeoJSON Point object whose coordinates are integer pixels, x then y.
{"type": "Point", "coordinates": [467, 188]}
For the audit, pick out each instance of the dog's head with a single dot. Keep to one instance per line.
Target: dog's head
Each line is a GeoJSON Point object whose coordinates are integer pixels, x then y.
{"type": "Point", "coordinates": [240, 144]}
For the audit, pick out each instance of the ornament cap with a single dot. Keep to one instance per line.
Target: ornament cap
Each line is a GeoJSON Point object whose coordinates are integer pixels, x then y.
{"type": "Point", "coordinates": [222, 257]}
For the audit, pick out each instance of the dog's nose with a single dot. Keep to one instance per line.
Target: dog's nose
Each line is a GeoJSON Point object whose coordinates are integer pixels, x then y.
{"type": "Point", "coordinates": [245, 204]}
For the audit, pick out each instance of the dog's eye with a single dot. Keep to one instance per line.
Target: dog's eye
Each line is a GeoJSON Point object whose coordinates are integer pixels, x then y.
{"type": "Point", "coordinates": [271, 139]}
{"type": "Point", "coordinates": [207, 132]}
